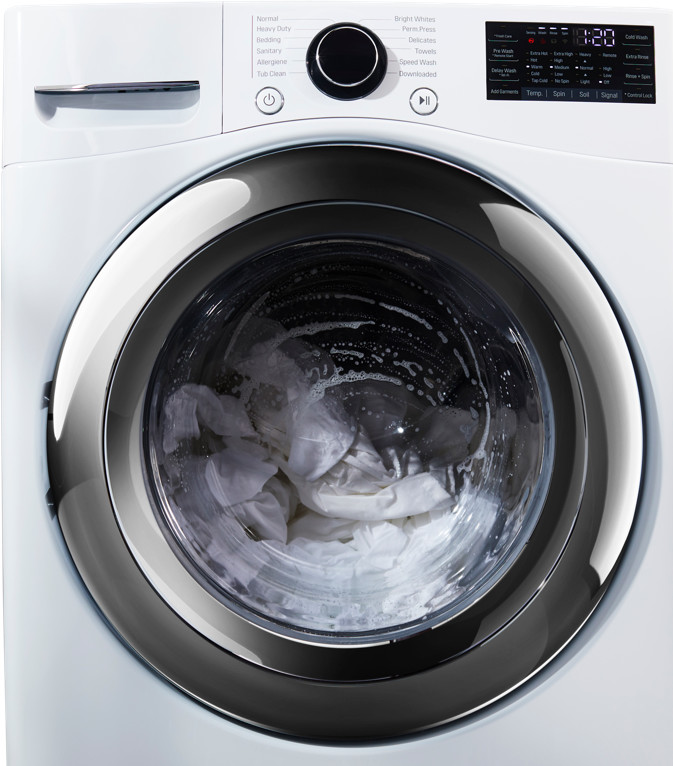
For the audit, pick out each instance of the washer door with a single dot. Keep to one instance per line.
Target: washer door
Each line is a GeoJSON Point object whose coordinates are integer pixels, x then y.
{"type": "Point", "coordinates": [347, 426]}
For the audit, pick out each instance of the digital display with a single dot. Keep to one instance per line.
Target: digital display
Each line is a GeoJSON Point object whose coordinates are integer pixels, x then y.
{"type": "Point", "coordinates": [527, 61]}
{"type": "Point", "coordinates": [597, 37]}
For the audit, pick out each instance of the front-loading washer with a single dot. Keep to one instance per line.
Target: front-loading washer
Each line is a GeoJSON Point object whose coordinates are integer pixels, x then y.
{"type": "Point", "coordinates": [335, 384]}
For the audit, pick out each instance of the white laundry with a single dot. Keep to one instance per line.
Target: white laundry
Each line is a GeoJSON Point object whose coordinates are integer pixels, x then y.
{"type": "Point", "coordinates": [313, 432]}
{"type": "Point", "coordinates": [407, 464]}
{"type": "Point", "coordinates": [267, 513]}
{"type": "Point", "coordinates": [403, 497]}
{"type": "Point", "coordinates": [179, 421]}
{"type": "Point", "coordinates": [379, 544]}
{"type": "Point", "coordinates": [360, 487]}
{"type": "Point", "coordinates": [228, 541]}
{"type": "Point", "coordinates": [299, 513]}
{"type": "Point", "coordinates": [318, 439]}
{"type": "Point", "coordinates": [361, 469]}
{"type": "Point", "coordinates": [346, 549]}
{"type": "Point", "coordinates": [314, 526]}
{"type": "Point", "coordinates": [193, 407]}
{"type": "Point", "coordinates": [331, 467]}
{"type": "Point", "coordinates": [234, 476]}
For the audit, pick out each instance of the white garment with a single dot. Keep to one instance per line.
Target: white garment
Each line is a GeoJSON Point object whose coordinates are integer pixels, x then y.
{"type": "Point", "coordinates": [379, 545]}
{"type": "Point", "coordinates": [193, 407]}
{"type": "Point", "coordinates": [234, 476]}
{"type": "Point", "coordinates": [311, 430]}
{"type": "Point", "coordinates": [360, 487]}
{"type": "Point", "coordinates": [402, 497]}
{"type": "Point", "coordinates": [267, 513]}
{"type": "Point", "coordinates": [319, 438]}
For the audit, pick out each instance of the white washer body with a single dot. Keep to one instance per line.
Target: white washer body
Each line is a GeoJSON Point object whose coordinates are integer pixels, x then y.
{"type": "Point", "coordinates": [76, 181]}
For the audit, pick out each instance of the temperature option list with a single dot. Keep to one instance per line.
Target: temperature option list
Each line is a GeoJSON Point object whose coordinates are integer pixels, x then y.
{"type": "Point", "coordinates": [570, 62]}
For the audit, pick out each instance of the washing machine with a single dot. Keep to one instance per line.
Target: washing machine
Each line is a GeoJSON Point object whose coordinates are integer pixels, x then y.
{"type": "Point", "coordinates": [336, 384]}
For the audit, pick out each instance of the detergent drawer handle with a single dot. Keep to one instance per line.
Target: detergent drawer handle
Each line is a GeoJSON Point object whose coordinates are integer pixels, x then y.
{"type": "Point", "coordinates": [170, 86]}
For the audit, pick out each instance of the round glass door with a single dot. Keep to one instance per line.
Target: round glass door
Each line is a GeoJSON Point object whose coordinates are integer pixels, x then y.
{"type": "Point", "coordinates": [345, 425]}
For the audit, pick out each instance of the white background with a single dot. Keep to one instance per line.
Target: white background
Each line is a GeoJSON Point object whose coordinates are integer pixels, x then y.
{"type": "Point", "coordinates": [4, 4]}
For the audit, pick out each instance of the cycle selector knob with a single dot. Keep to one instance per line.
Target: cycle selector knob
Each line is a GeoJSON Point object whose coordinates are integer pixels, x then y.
{"type": "Point", "coordinates": [346, 61]}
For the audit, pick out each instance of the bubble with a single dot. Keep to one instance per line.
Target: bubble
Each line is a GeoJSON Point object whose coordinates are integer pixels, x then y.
{"type": "Point", "coordinates": [408, 366]}
{"type": "Point", "coordinates": [458, 356]}
{"type": "Point", "coordinates": [408, 314]}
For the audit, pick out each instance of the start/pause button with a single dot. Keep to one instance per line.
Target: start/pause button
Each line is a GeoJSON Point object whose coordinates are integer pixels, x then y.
{"type": "Point", "coordinates": [423, 101]}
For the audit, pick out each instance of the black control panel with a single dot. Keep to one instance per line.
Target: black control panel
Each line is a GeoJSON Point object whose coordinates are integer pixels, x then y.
{"type": "Point", "coordinates": [609, 63]}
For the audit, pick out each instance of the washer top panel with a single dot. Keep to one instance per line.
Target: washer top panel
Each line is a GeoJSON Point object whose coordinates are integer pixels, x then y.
{"type": "Point", "coordinates": [250, 62]}
{"type": "Point", "coordinates": [438, 70]}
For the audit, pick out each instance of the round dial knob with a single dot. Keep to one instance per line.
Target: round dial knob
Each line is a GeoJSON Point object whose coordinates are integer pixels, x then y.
{"type": "Point", "coordinates": [346, 61]}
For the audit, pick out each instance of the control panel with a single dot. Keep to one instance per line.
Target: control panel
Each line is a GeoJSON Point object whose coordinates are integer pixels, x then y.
{"type": "Point", "coordinates": [570, 62]}
{"type": "Point", "coordinates": [490, 71]}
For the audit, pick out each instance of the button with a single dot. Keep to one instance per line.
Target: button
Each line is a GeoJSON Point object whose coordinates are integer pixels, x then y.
{"type": "Point", "coordinates": [269, 101]}
{"type": "Point", "coordinates": [534, 94]}
{"type": "Point", "coordinates": [424, 101]}
{"type": "Point", "coordinates": [639, 77]}
{"type": "Point", "coordinates": [559, 94]}
{"type": "Point", "coordinates": [584, 94]}
{"type": "Point", "coordinates": [503, 53]}
{"type": "Point", "coordinates": [642, 56]}
{"type": "Point", "coordinates": [503, 93]}
{"type": "Point", "coordinates": [638, 36]}
{"type": "Point", "coordinates": [498, 72]}
{"type": "Point", "coordinates": [639, 95]}
{"type": "Point", "coordinates": [609, 95]}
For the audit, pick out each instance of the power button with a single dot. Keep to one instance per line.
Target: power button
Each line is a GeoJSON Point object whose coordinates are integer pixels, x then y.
{"type": "Point", "coordinates": [269, 101]}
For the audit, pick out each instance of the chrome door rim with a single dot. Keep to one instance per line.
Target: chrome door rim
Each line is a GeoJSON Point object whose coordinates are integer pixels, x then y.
{"type": "Point", "coordinates": [89, 400]}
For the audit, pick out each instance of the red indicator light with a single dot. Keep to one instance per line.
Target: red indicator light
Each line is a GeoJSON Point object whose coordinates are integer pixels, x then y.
{"type": "Point", "coordinates": [531, 40]}
{"type": "Point", "coordinates": [543, 41]}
